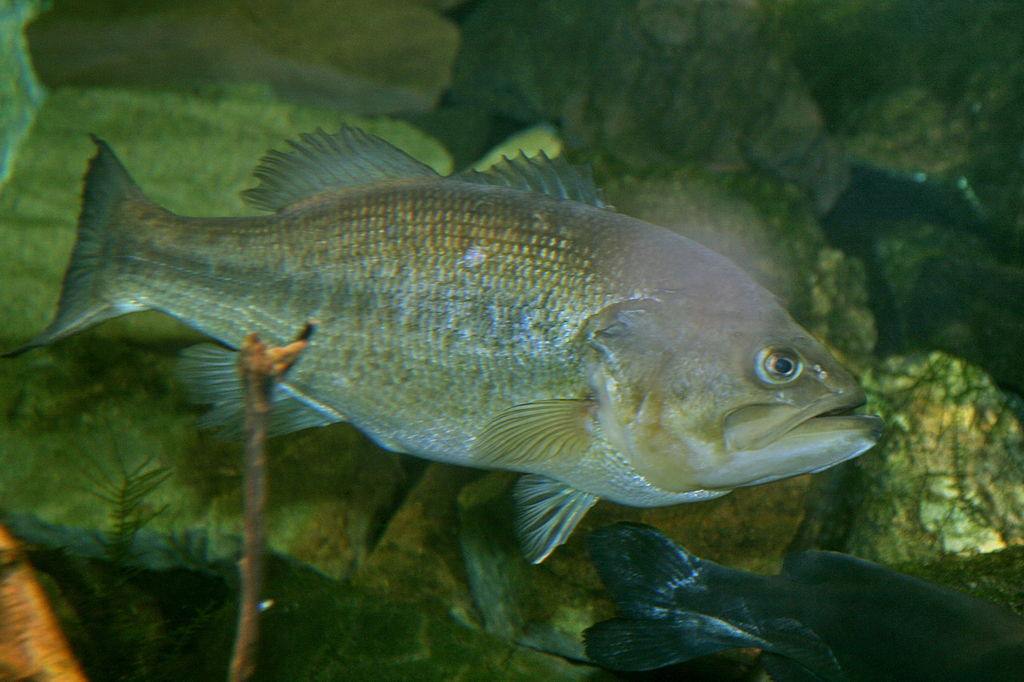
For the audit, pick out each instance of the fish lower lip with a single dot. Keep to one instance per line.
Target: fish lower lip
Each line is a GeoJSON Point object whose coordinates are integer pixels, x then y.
{"type": "Point", "coordinates": [814, 445]}
{"type": "Point", "coordinates": [756, 426]}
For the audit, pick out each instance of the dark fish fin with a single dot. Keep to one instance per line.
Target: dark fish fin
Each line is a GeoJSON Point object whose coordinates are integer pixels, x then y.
{"type": "Point", "coordinates": [86, 300]}
{"type": "Point", "coordinates": [547, 511]}
{"type": "Point", "coordinates": [782, 669]}
{"type": "Point", "coordinates": [540, 431]}
{"type": "Point", "coordinates": [319, 162]}
{"type": "Point", "coordinates": [801, 645]}
{"type": "Point", "coordinates": [210, 374]}
{"type": "Point", "coordinates": [632, 644]}
{"type": "Point", "coordinates": [646, 573]}
{"type": "Point", "coordinates": [713, 608]}
{"type": "Point", "coordinates": [554, 177]}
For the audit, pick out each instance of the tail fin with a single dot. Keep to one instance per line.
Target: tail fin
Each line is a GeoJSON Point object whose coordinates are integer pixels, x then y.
{"type": "Point", "coordinates": [675, 606]}
{"type": "Point", "coordinates": [651, 579]}
{"type": "Point", "coordinates": [84, 299]}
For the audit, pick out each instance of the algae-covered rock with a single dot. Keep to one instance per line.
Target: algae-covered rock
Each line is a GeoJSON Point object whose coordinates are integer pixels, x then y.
{"type": "Point", "coordinates": [96, 406]}
{"type": "Point", "coordinates": [318, 629]}
{"type": "Point", "coordinates": [418, 556]}
{"type": "Point", "coordinates": [771, 234]}
{"type": "Point", "coordinates": [933, 90]}
{"type": "Point", "coordinates": [361, 56]}
{"type": "Point", "coordinates": [20, 93]}
{"type": "Point", "coordinates": [643, 83]}
{"type": "Point", "coordinates": [922, 86]}
{"type": "Point", "coordinates": [949, 475]}
{"type": "Point", "coordinates": [178, 622]}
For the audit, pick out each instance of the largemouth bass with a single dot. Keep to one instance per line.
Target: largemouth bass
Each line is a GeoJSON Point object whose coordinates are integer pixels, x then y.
{"type": "Point", "coordinates": [505, 319]}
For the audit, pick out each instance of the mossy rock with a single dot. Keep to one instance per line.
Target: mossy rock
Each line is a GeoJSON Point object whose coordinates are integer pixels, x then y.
{"type": "Point", "coordinates": [641, 82]}
{"type": "Point", "coordinates": [948, 476]}
{"type": "Point", "coordinates": [364, 56]}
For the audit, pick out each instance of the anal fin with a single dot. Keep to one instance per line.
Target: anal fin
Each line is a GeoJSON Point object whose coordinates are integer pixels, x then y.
{"type": "Point", "coordinates": [210, 374]}
{"type": "Point", "coordinates": [547, 511]}
{"type": "Point", "coordinates": [635, 644]}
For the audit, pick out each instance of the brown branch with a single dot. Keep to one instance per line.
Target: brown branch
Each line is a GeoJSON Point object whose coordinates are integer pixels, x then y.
{"type": "Point", "coordinates": [260, 367]}
{"type": "Point", "coordinates": [32, 645]}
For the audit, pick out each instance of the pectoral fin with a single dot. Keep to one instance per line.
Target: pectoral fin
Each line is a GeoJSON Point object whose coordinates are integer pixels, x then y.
{"type": "Point", "coordinates": [210, 374]}
{"type": "Point", "coordinates": [547, 511]}
{"type": "Point", "coordinates": [541, 431]}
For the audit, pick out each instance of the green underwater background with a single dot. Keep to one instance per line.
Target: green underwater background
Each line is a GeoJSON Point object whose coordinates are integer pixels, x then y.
{"type": "Point", "coordinates": [862, 159]}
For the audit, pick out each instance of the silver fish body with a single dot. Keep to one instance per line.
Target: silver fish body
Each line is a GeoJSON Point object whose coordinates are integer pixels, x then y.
{"type": "Point", "coordinates": [478, 321]}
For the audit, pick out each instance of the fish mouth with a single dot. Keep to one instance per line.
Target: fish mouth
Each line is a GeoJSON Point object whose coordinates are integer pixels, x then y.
{"type": "Point", "coordinates": [756, 426]}
{"type": "Point", "coordinates": [766, 442]}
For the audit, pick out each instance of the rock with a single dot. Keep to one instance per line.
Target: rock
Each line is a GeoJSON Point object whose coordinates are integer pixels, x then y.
{"type": "Point", "coordinates": [977, 314]}
{"type": "Point", "coordinates": [418, 557]}
{"type": "Point", "coordinates": [319, 629]}
{"type": "Point", "coordinates": [177, 622]}
{"type": "Point", "coordinates": [933, 87]}
{"type": "Point", "coordinates": [932, 94]}
{"type": "Point", "coordinates": [911, 130]}
{"type": "Point", "coordinates": [360, 56]}
{"type": "Point", "coordinates": [949, 475]}
{"type": "Point", "coordinates": [102, 405]}
{"type": "Point", "coordinates": [641, 81]}
{"type": "Point", "coordinates": [939, 287]}
{"type": "Point", "coordinates": [20, 93]}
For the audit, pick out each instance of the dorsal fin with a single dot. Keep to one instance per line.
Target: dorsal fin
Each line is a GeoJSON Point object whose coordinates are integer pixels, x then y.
{"type": "Point", "coordinates": [555, 177]}
{"type": "Point", "coordinates": [320, 161]}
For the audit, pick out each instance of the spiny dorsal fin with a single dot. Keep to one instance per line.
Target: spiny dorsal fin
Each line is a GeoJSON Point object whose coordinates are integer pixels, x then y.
{"type": "Point", "coordinates": [320, 161]}
{"type": "Point", "coordinates": [555, 177]}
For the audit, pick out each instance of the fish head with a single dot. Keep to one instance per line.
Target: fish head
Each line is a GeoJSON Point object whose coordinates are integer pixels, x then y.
{"type": "Point", "coordinates": [713, 399]}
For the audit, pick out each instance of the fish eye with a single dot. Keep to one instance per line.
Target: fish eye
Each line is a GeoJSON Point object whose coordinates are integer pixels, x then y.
{"type": "Point", "coordinates": [778, 365]}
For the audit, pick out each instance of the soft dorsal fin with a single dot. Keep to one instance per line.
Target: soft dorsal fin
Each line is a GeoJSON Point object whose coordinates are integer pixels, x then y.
{"type": "Point", "coordinates": [555, 177]}
{"type": "Point", "coordinates": [320, 161]}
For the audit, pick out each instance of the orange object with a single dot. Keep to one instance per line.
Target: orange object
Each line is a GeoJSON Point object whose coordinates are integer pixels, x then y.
{"type": "Point", "coordinates": [32, 645]}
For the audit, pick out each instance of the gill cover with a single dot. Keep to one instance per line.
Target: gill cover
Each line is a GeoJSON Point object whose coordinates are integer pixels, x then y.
{"type": "Point", "coordinates": [634, 350]}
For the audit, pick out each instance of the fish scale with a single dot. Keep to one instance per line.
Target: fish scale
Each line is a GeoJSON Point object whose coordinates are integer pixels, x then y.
{"type": "Point", "coordinates": [401, 317]}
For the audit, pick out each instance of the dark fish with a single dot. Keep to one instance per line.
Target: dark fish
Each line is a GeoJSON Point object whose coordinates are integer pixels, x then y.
{"type": "Point", "coordinates": [827, 616]}
{"type": "Point", "coordinates": [505, 319]}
